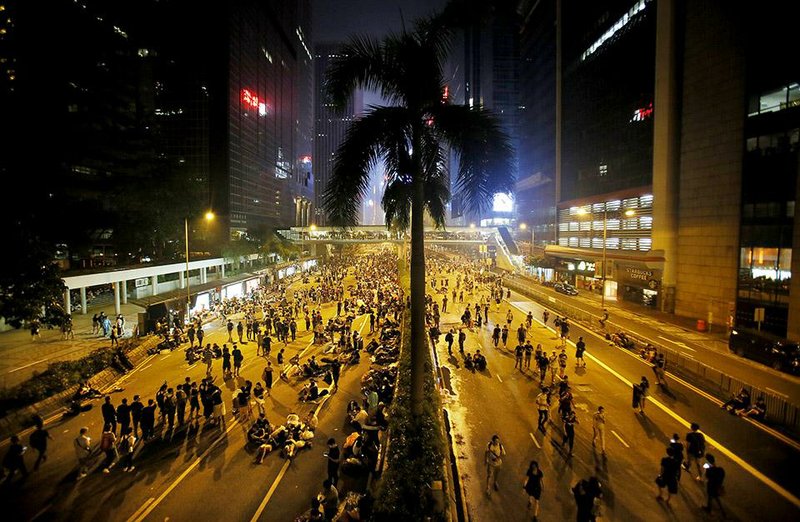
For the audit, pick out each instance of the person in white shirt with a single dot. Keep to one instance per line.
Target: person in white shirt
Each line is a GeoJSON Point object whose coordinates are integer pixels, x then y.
{"type": "Point", "coordinates": [83, 451]}
{"type": "Point", "coordinates": [599, 429]}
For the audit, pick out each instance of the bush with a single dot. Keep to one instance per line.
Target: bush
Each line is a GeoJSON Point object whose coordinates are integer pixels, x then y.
{"type": "Point", "coordinates": [416, 449]}
{"type": "Point", "coordinates": [58, 377]}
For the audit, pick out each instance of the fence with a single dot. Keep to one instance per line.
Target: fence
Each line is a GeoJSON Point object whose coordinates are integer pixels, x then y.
{"type": "Point", "coordinates": [780, 412]}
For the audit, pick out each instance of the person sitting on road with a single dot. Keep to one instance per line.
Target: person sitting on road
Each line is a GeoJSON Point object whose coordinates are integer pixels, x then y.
{"type": "Point", "coordinates": [469, 362]}
{"type": "Point", "coordinates": [757, 410]}
{"type": "Point", "coordinates": [479, 361]}
{"type": "Point", "coordinates": [739, 402]}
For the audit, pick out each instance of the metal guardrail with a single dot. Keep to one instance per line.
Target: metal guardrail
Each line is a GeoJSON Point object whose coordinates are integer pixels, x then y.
{"type": "Point", "coordinates": [780, 412]}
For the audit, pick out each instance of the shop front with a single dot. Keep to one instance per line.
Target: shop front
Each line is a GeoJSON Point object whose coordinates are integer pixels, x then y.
{"type": "Point", "coordinates": [637, 283]}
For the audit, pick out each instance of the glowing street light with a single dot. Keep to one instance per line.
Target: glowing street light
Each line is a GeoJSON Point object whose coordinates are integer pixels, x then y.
{"type": "Point", "coordinates": [209, 216]}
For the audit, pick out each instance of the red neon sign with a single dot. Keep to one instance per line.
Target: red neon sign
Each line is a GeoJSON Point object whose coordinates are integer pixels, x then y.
{"type": "Point", "coordinates": [249, 98]}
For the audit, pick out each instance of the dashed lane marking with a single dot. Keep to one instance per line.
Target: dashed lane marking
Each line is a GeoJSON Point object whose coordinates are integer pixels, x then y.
{"type": "Point", "coordinates": [535, 441]}
{"type": "Point", "coordinates": [498, 378]}
{"type": "Point", "coordinates": [620, 439]}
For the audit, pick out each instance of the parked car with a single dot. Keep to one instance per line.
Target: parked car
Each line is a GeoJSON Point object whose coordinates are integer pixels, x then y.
{"type": "Point", "coordinates": [779, 353]}
{"type": "Point", "coordinates": [565, 288]}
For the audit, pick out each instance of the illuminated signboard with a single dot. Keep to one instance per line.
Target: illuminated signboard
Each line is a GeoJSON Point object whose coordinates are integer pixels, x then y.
{"type": "Point", "coordinates": [643, 113]}
{"type": "Point", "coordinates": [251, 101]}
{"type": "Point", "coordinates": [502, 203]}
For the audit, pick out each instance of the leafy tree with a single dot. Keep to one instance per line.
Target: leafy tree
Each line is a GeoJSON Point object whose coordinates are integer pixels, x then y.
{"type": "Point", "coordinates": [411, 135]}
{"type": "Point", "coordinates": [30, 280]}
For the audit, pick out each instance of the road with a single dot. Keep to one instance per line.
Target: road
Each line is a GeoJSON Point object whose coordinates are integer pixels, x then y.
{"type": "Point", "coordinates": [701, 347]}
{"type": "Point", "coordinates": [760, 482]}
{"type": "Point", "coordinates": [194, 473]}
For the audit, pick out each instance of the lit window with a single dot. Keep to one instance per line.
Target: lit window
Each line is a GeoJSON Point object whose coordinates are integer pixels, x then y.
{"type": "Point", "coordinates": [603, 170]}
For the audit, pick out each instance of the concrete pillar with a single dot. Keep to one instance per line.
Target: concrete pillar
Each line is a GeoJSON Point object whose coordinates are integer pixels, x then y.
{"type": "Point", "coordinates": [84, 308]}
{"type": "Point", "coordinates": [67, 301]}
{"type": "Point", "coordinates": [154, 285]}
{"type": "Point", "coordinates": [124, 288]}
{"type": "Point", "coordinates": [666, 151]}
{"type": "Point", "coordinates": [204, 275]}
{"type": "Point", "coordinates": [116, 299]}
{"type": "Point", "coordinates": [181, 279]}
{"type": "Point", "coordinates": [223, 270]}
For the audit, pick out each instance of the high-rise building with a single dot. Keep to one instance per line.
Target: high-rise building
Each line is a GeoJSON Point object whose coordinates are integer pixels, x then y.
{"type": "Point", "coordinates": [674, 156]}
{"type": "Point", "coordinates": [330, 125]}
{"type": "Point", "coordinates": [152, 111]}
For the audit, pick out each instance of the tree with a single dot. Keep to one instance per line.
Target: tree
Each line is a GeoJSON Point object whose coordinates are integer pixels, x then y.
{"type": "Point", "coordinates": [30, 282]}
{"type": "Point", "coordinates": [411, 135]}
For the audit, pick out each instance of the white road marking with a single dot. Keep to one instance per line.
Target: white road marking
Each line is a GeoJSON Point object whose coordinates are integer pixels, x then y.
{"type": "Point", "coordinates": [676, 343]}
{"type": "Point", "coordinates": [141, 508]}
{"type": "Point", "coordinates": [620, 439]}
{"type": "Point", "coordinates": [151, 504]}
{"type": "Point", "coordinates": [272, 489]}
{"type": "Point", "coordinates": [146, 367]}
{"type": "Point", "coordinates": [27, 365]}
{"type": "Point", "coordinates": [498, 378]}
{"type": "Point", "coordinates": [535, 441]}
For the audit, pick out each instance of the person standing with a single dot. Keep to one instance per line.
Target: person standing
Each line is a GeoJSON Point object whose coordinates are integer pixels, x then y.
{"type": "Point", "coordinates": [38, 441]}
{"type": "Point", "coordinates": [200, 335]}
{"type": "Point", "coordinates": [229, 327]}
{"type": "Point", "coordinates": [504, 336]}
{"type": "Point", "coordinates": [126, 447]}
{"type": "Point", "coordinates": [148, 420]}
{"type": "Point", "coordinates": [239, 331]}
{"type": "Point", "coordinates": [543, 407]}
{"type": "Point", "coordinates": [519, 351]}
{"type": "Point", "coordinates": [83, 451]}
{"type": "Point", "coordinates": [449, 339]}
{"type": "Point", "coordinates": [695, 450]}
{"type": "Point", "coordinates": [333, 456]}
{"type": "Point", "coordinates": [461, 338]}
{"type": "Point", "coordinates": [109, 414]}
{"type": "Point", "coordinates": [570, 420]}
{"type": "Point", "coordinates": [580, 347]}
{"type": "Point", "coordinates": [237, 360]}
{"type": "Point", "coordinates": [108, 445]}
{"type": "Point", "coordinates": [493, 459]}
{"type": "Point", "coordinates": [267, 377]}
{"type": "Point", "coordinates": [532, 484]}
{"type": "Point", "coordinates": [180, 404]}
{"type": "Point", "coordinates": [136, 413]}
{"type": "Point", "coordinates": [124, 417]}
{"type": "Point", "coordinates": [715, 480]}
{"type": "Point", "coordinates": [528, 354]}
{"type": "Point", "coordinates": [599, 429]}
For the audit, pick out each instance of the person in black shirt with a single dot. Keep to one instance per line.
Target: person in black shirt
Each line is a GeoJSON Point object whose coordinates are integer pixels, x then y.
{"type": "Point", "coordinates": [715, 478]}
{"type": "Point", "coordinates": [333, 456]}
{"type": "Point", "coordinates": [109, 414]}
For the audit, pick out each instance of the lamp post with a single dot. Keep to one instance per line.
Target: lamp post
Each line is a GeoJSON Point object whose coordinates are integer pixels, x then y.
{"type": "Point", "coordinates": [209, 216]}
{"type": "Point", "coordinates": [524, 226]}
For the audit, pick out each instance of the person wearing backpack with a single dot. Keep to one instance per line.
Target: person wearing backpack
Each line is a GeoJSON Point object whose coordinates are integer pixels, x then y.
{"type": "Point", "coordinates": [695, 450]}
{"type": "Point", "coordinates": [493, 460]}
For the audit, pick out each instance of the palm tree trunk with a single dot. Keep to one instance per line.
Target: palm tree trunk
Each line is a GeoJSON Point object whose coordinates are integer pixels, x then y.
{"type": "Point", "coordinates": [419, 348]}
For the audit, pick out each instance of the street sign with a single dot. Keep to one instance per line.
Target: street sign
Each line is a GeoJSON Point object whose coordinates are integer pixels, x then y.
{"type": "Point", "coordinates": [758, 317]}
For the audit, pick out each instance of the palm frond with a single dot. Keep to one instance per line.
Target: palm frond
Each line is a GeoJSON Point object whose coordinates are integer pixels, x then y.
{"type": "Point", "coordinates": [365, 143]}
{"type": "Point", "coordinates": [362, 62]}
{"type": "Point", "coordinates": [396, 204]}
{"type": "Point", "coordinates": [483, 149]}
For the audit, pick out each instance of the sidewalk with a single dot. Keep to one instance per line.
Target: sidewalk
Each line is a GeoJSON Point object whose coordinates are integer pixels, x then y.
{"type": "Point", "coordinates": [23, 356]}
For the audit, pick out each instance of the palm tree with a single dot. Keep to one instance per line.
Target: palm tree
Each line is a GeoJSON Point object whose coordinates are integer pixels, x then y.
{"type": "Point", "coordinates": [412, 136]}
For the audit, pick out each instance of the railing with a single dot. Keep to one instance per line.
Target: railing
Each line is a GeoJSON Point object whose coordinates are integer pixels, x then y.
{"type": "Point", "coordinates": [780, 412]}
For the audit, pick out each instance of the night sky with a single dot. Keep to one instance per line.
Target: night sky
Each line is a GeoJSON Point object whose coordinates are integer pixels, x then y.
{"type": "Point", "coordinates": [335, 20]}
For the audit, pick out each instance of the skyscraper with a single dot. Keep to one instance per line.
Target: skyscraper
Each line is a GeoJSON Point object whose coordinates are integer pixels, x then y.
{"type": "Point", "coordinates": [330, 126]}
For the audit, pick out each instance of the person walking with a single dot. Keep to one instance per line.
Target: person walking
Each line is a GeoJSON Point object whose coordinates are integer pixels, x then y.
{"type": "Point", "coordinates": [562, 363]}
{"type": "Point", "coordinates": [599, 429]}
{"type": "Point", "coordinates": [695, 450]}
{"type": "Point", "coordinates": [38, 441]}
{"type": "Point", "coordinates": [83, 451]}
{"type": "Point", "coordinates": [668, 477]}
{"type": "Point", "coordinates": [519, 351]}
{"type": "Point", "coordinates": [543, 407]}
{"type": "Point", "coordinates": [200, 335]}
{"type": "Point", "coordinates": [493, 459]}
{"type": "Point", "coordinates": [570, 420]}
{"type": "Point", "coordinates": [504, 335]}
{"type": "Point", "coordinates": [528, 354]}
{"type": "Point", "coordinates": [580, 347]}
{"type": "Point", "coordinates": [545, 317]}
{"type": "Point", "coordinates": [333, 456]}
{"type": "Point", "coordinates": [532, 484]}
{"type": "Point", "coordinates": [496, 335]}
{"type": "Point", "coordinates": [715, 483]}
{"type": "Point", "coordinates": [14, 459]}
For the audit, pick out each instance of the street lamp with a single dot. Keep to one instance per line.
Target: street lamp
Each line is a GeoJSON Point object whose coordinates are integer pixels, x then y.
{"type": "Point", "coordinates": [209, 216]}
{"type": "Point", "coordinates": [628, 213]}
{"type": "Point", "coordinates": [524, 226]}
